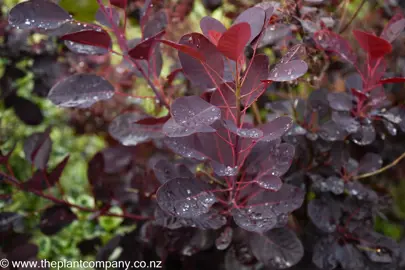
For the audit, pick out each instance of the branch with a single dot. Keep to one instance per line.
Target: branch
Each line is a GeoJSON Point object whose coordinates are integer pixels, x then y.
{"type": "Point", "coordinates": [395, 162]}
{"type": "Point", "coordinates": [353, 17]}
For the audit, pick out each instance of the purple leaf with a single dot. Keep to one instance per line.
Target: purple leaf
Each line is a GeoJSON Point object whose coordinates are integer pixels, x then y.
{"type": "Point", "coordinates": [332, 42]}
{"type": "Point", "coordinates": [393, 28]}
{"type": "Point", "coordinates": [41, 14]}
{"type": "Point", "coordinates": [55, 218]}
{"type": "Point", "coordinates": [278, 161]}
{"type": "Point", "coordinates": [324, 255]}
{"type": "Point", "coordinates": [211, 65]}
{"type": "Point", "coordinates": [224, 239]}
{"type": "Point", "coordinates": [365, 135]}
{"type": "Point", "coordinates": [212, 28]}
{"type": "Point", "coordinates": [276, 128]}
{"type": "Point", "coordinates": [126, 130]}
{"type": "Point", "coordinates": [37, 149]}
{"type": "Point", "coordinates": [143, 50]}
{"type": "Point", "coordinates": [350, 124]}
{"type": "Point", "coordinates": [191, 114]}
{"type": "Point", "coordinates": [325, 214]}
{"type": "Point", "coordinates": [331, 132]}
{"type": "Point", "coordinates": [263, 211]}
{"type": "Point", "coordinates": [268, 8]}
{"type": "Point", "coordinates": [185, 197]}
{"type": "Point", "coordinates": [153, 65]}
{"type": "Point", "coordinates": [105, 19]}
{"type": "Point", "coordinates": [233, 42]}
{"type": "Point", "coordinates": [296, 52]}
{"type": "Point", "coordinates": [288, 71]}
{"type": "Point", "coordinates": [81, 90]}
{"type": "Point", "coordinates": [88, 42]}
{"type": "Point", "coordinates": [279, 248]}
{"type": "Point", "coordinates": [273, 34]}
{"type": "Point", "coordinates": [185, 146]}
{"type": "Point", "coordinates": [156, 24]}
{"type": "Point", "coordinates": [270, 182]}
{"type": "Point", "coordinates": [252, 133]}
{"type": "Point", "coordinates": [332, 184]}
{"type": "Point", "coordinates": [166, 171]}
{"type": "Point", "coordinates": [340, 101]}
{"type": "Point", "coordinates": [225, 99]}
{"type": "Point", "coordinates": [254, 17]}
{"type": "Point", "coordinates": [370, 162]}
{"type": "Point", "coordinates": [252, 87]}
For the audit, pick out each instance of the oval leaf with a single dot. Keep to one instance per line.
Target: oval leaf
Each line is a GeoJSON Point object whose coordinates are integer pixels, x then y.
{"type": "Point", "coordinates": [232, 42]}
{"type": "Point", "coordinates": [373, 45]}
{"type": "Point", "coordinates": [279, 248]}
{"type": "Point", "coordinates": [185, 197]}
{"type": "Point", "coordinates": [88, 42]}
{"type": "Point", "coordinates": [81, 90]}
{"type": "Point", "coordinates": [41, 14]}
{"type": "Point", "coordinates": [255, 17]}
{"type": "Point", "coordinates": [288, 71]}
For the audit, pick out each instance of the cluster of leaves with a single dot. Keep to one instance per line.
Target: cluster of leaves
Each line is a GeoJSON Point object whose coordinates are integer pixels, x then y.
{"type": "Point", "coordinates": [208, 179]}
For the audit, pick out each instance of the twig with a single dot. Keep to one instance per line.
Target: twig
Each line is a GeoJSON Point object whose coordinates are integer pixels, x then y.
{"type": "Point", "coordinates": [353, 17]}
{"type": "Point", "coordinates": [395, 162]}
{"type": "Point", "coordinates": [256, 113]}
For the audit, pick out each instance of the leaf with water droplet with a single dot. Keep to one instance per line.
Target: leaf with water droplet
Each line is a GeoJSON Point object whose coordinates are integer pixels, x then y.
{"type": "Point", "coordinates": [261, 212]}
{"type": "Point", "coordinates": [276, 128]}
{"type": "Point", "coordinates": [324, 213]}
{"type": "Point", "coordinates": [185, 197]}
{"type": "Point", "coordinates": [81, 90]}
{"type": "Point", "coordinates": [42, 14]}
{"type": "Point", "coordinates": [88, 42]}
{"type": "Point", "coordinates": [224, 239]}
{"type": "Point", "coordinates": [370, 162]}
{"type": "Point", "coordinates": [332, 42]}
{"type": "Point", "coordinates": [190, 115]}
{"type": "Point", "coordinates": [340, 101]}
{"type": "Point", "coordinates": [127, 129]}
{"type": "Point", "coordinates": [252, 133]}
{"type": "Point", "coordinates": [279, 248]}
{"type": "Point", "coordinates": [288, 71]}
{"type": "Point", "coordinates": [270, 182]}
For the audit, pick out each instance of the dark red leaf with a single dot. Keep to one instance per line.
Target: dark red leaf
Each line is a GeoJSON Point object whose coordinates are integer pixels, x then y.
{"type": "Point", "coordinates": [118, 3]}
{"type": "Point", "coordinates": [55, 218]}
{"type": "Point", "coordinates": [185, 49]}
{"type": "Point", "coordinates": [376, 47]}
{"type": "Point", "coordinates": [37, 149]}
{"type": "Point", "coordinates": [99, 39]}
{"type": "Point", "coordinates": [232, 42]}
{"type": "Point", "coordinates": [41, 180]}
{"type": "Point", "coordinates": [27, 111]}
{"type": "Point", "coordinates": [143, 50]}
{"type": "Point", "coordinates": [392, 80]}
